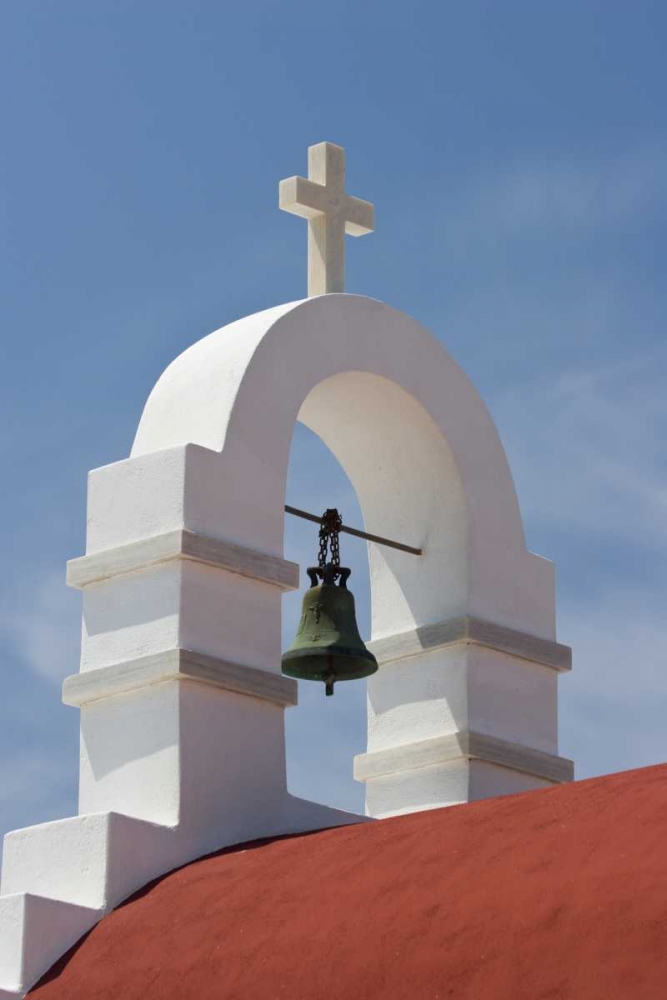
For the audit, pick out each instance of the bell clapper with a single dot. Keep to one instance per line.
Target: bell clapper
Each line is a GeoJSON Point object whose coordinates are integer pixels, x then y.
{"type": "Point", "coordinates": [329, 679]}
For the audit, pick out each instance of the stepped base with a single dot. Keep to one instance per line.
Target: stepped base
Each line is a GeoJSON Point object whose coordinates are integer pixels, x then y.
{"type": "Point", "coordinates": [60, 878]}
{"type": "Point", "coordinates": [34, 933]}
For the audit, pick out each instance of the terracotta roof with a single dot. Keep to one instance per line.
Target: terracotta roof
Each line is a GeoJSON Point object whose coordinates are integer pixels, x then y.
{"type": "Point", "coordinates": [542, 896]}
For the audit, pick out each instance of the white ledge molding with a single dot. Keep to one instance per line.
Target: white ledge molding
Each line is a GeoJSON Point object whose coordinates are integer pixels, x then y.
{"type": "Point", "coordinates": [182, 665]}
{"type": "Point", "coordinates": [182, 544]}
{"type": "Point", "coordinates": [472, 631]}
{"type": "Point", "coordinates": [441, 749]}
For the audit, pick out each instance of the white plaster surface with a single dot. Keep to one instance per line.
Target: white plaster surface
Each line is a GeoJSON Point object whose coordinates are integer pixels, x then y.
{"type": "Point", "coordinates": [453, 782]}
{"type": "Point", "coordinates": [178, 665]}
{"type": "Point", "coordinates": [428, 467]}
{"type": "Point", "coordinates": [421, 754]}
{"type": "Point", "coordinates": [413, 791]}
{"type": "Point", "coordinates": [190, 754]}
{"type": "Point", "coordinates": [178, 768]}
{"type": "Point", "coordinates": [228, 615]}
{"type": "Point", "coordinates": [512, 699]}
{"type": "Point", "coordinates": [486, 780]}
{"type": "Point", "coordinates": [130, 501]}
{"type": "Point", "coordinates": [464, 686]}
{"type": "Point", "coordinates": [418, 699]}
{"type": "Point", "coordinates": [131, 615]}
{"type": "Point", "coordinates": [93, 860]}
{"type": "Point", "coordinates": [283, 357]}
{"type": "Point", "coordinates": [34, 932]}
{"type": "Point", "coordinates": [466, 629]}
{"type": "Point", "coordinates": [219, 553]}
{"type": "Point", "coordinates": [402, 470]}
{"type": "Point", "coordinates": [130, 759]}
{"type": "Point", "coordinates": [181, 604]}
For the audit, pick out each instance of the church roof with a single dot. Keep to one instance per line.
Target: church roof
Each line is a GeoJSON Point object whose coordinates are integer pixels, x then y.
{"type": "Point", "coordinates": [553, 894]}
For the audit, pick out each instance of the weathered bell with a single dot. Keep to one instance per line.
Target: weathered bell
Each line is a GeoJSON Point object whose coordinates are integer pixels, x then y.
{"type": "Point", "coordinates": [328, 646]}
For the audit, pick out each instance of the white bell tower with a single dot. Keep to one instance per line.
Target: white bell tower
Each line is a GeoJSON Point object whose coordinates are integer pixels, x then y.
{"type": "Point", "coordinates": [181, 696]}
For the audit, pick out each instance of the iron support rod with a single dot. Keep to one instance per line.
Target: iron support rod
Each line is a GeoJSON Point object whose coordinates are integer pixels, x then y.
{"type": "Point", "coordinates": [355, 531]}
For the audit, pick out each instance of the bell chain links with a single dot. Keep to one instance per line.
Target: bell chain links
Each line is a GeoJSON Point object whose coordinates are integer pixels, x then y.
{"type": "Point", "coordinates": [330, 527]}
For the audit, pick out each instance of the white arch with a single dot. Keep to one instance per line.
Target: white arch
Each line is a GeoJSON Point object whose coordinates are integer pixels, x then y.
{"type": "Point", "coordinates": [407, 426]}
{"type": "Point", "coordinates": [181, 697]}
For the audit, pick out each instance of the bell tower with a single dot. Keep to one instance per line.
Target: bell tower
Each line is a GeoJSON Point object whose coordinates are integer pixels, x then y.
{"type": "Point", "coordinates": [180, 689]}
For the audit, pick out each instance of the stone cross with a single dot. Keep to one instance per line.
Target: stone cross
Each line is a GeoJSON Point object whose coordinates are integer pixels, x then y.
{"type": "Point", "coordinates": [330, 212]}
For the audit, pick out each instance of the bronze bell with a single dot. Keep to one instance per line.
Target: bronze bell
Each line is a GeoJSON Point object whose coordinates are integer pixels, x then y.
{"type": "Point", "coordinates": [328, 646]}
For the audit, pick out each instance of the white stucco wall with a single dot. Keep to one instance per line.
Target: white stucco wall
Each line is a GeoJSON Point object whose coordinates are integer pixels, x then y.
{"type": "Point", "coordinates": [182, 701]}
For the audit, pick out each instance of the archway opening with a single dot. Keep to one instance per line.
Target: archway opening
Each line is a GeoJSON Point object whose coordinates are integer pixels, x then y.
{"type": "Point", "coordinates": [409, 489]}
{"type": "Point", "coordinates": [403, 483]}
{"type": "Point", "coordinates": [323, 734]}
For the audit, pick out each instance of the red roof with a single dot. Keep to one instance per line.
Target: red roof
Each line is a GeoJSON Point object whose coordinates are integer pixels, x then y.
{"type": "Point", "coordinates": [542, 896]}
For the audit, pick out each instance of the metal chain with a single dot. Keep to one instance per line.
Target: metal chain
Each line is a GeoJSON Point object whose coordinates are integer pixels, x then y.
{"type": "Point", "coordinates": [324, 544]}
{"type": "Point", "coordinates": [335, 549]}
{"type": "Point", "coordinates": [331, 524]}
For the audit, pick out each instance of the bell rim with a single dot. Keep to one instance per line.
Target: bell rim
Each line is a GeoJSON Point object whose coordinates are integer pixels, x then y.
{"type": "Point", "coordinates": [292, 663]}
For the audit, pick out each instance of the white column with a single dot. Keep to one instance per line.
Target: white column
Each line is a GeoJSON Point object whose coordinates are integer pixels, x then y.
{"type": "Point", "coordinates": [461, 711]}
{"type": "Point", "coordinates": [180, 689]}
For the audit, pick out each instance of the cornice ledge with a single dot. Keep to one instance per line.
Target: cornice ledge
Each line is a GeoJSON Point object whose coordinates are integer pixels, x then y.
{"type": "Point", "coordinates": [471, 745]}
{"type": "Point", "coordinates": [473, 631]}
{"type": "Point", "coordinates": [182, 544]}
{"type": "Point", "coordinates": [180, 665]}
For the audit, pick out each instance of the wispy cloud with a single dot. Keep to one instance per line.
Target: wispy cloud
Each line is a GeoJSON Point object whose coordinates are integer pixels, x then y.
{"type": "Point", "coordinates": [612, 706]}
{"type": "Point", "coordinates": [588, 449]}
{"type": "Point", "coordinates": [24, 779]}
{"type": "Point", "coordinates": [587, 454]}
{"type": "Point", "coordinates": [569, 196]}
{"type": "Point", "coordinates": [40, 621]}
{"type": "Point", "coordinates": [35, 787]}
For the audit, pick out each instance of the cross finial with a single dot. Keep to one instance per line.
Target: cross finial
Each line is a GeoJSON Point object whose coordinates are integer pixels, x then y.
{"type": "Point", "coordinates": [330, 212]}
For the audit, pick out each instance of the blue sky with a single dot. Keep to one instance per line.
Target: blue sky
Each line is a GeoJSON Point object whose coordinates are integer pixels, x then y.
{"type": "Point", "coordinates": [516, 153]}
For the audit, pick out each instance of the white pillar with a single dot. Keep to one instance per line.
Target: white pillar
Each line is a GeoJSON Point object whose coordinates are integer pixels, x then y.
{"type": "Point", "coordinates": [180, 689]}
{"type": "Point", "coordinates": [461, 711]}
